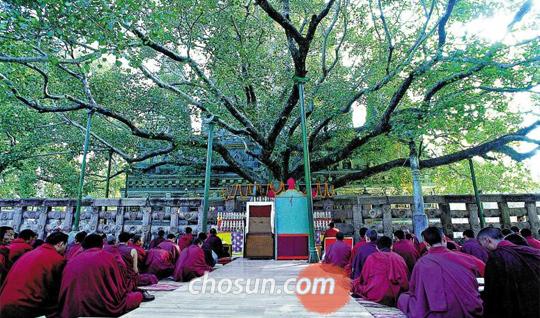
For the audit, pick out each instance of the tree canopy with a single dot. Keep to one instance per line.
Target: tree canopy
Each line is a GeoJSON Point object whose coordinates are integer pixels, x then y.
{"type": "Point", "coordinates": [151, 71]}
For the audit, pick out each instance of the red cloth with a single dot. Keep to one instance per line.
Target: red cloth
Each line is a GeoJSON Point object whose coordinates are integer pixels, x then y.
{"type": "Point", "coordinates": [331, 232]}
{"type": "Point", "coordinates": [93, 286]}
{"type": "Point", "coordinates": [4, 263]}
{"type": "Point", "coordinates": [190, 264]}
{"type": "Point", "coordinates": [155, 242]}
{"type": "Point", "coordinates": [533, 242]}
{"type": "Point", "coordinates": [422, 248]}
{"type": "Point", "coordinates": [338, 254]}
{"type": "Point", "coordinates": [131, 274]}
{"type": "Point", "coordinates": [31, 287]}
{"type": "Point", "coordinates": [479, 264]}
{"type": "Point", "coordinates": [443, 284]}
{"type": "Point", "coordinates": [172, 248]}
{"type": "Point", "coordinates": [355, 248]}
{"type": "Point", "coordinates": [185, 241]}
{"type": "Point", "coordinates": [72, 251]}
{"type": "Point", "coordinates": [383, 278]}
{"type": "Point", "coordinates": [159, 262]}
{"type": "Point", "coordinates": [406, 249]}
{"type": "Point", "coordinates": [17, 248]}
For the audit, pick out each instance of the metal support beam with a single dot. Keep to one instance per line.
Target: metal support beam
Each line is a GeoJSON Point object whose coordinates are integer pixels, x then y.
{"type": "Point", "coordinates": [83, 170]}
{"type": "Point", "coordinates": [313, 257]}
{"type": "Point", "coordinates": [203, 218]}
{"type": "Point", "coordinates": [477, 195]}
{"type": "Point", "coordinates": [420, 220]}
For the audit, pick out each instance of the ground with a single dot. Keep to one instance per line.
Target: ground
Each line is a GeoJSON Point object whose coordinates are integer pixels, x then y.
{"type": "Point", "coordinates": [181, 302]}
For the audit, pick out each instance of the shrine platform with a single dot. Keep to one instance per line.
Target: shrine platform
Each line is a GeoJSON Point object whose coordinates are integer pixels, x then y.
{"type": "Point", "coordinates": [182, 303]}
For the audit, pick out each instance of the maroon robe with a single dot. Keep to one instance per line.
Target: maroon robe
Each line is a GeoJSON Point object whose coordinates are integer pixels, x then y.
{"type": "Point", "coordinates": [443, 284]}
{"type": "Point", "coordinates": [338, 254]}
{"type": "Point", "coordinates": [190, 264]}
{"type": "Point", "coordinates": [155, 242]}
{"type": "Point", "coordinates": [134, 279]}
{"type": "Point", "coordinates": [361, 257]}
{"type": "Point", "coordinates": [185, 241]}
{"type": "Point", "coordinates": [512, 284]}
{"type": "Point", "coordinates": [473, 247]}
{"type": "Point", "coordinates": [406, 249]}
{"type": "Point", "coordinates": [31, 287]}
{"type": "Point", "coordinates": [172, 248]}
{"type": "Point", "coordinates": [72, 251]}
{"type": "Point", "coordinates": [215, 244]}
{"type": "Point", "coordinates": [93, 285]}
{"type": "Point", "coordinates": [533, 242]}
{"type": "Point", "coordinates": [159, 262]}
{"type": "Point", "coordinates": [383, 278]}
{"type": "Point", "coordinates": [4, 263]}
{"type": "Point", "coordinates": [355, 249]}
{"type": "Point", "coordinates": [17, 248]}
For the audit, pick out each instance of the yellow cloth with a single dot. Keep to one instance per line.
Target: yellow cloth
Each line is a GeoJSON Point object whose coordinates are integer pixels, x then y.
{"type": "Point", "coordinates": [226, 237]}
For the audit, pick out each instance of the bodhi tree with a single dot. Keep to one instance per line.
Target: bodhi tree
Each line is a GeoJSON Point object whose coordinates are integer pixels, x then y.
{"type": "Point", "coordinates": [151, 70]}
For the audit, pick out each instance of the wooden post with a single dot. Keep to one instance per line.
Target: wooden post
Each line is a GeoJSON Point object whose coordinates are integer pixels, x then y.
{"type": "Point", "coordinates": [446, 219]}
{"type": "Point", "coordinates": [505, 215]}
{"type": "Point", "coordinates": [532, 216]}
{"type": "Point", "coordinates": [472, 210]}
{"type": "Point", "coordinates": [387, 219]}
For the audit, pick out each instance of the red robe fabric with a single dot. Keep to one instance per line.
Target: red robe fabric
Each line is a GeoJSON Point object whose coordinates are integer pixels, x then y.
{"type": "Point", "coordinates": [172, 248]}
{"type": "Point", "coordinates": [338, 254]}
{"type": "Point", "coordinates": [159, 262]}
{"type": "Point", "coordinates": [443, 284]}
{"type": "Point", "coordinates": [190, 264]}
{"type": "Point", "coordinates": [31, 287]}
{"type": "Point", "coordinates": [533, 242]}
{"type": "Point", "coordinates": [4, 263]}
{"type": "Point", "coordinates": [17, 248]}
{"type": "Point", "coordinates": [134, 279]}
{"type": "Point", "coordinates": [185, 241]}
{"type": "Point", "coordinates": [383, 278]}
{"type": "Point", "coordinates": [155, 242]}
{"type": "Point", "coordinates": [72, 251]}
{"type": "Point", "coordinates": [355, 249]}
{"type": "Point", "coordinates": [406, 249]}
{"type": "Point", "coordinates": [93, 285]}
{"type": "Point", "coordinates": [479, 264]}
{"type": "Point", "coordinates": [331, 232]}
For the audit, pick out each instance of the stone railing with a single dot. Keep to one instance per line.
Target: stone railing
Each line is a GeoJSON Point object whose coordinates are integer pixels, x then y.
{"type": "Point", "coordinates": [454, 213]}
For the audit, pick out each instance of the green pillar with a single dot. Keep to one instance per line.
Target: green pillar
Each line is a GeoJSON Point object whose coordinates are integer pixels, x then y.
{"type": "Point", "coordinates": [477, 195]}
{"type": "Point", "coordinates": [420, 220]}
{"type": "Point", "coordinates": [108, 181]}
{"type": "Point", "coordinates": [203, 218]}
{"type": "Point", "coordinates": [83, 170]}
{"type": "Point", "coordinates": [313, 257]}
{"type": "Point", "coordinates": [126, 185]}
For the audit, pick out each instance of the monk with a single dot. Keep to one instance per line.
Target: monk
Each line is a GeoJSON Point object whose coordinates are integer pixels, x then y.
{"type": "Point", "coordinates": [6, 235]}
{"type": "Point", "coordinates": [92, 284]}
{"type": "Point", "coordinates": [362, 242]}
{"type": "Point", "coordinates": [527, 234]}
{"type": "Point", "coordinates": [384, 275]}
{"type": "Point", "coordinates": [516, 239]}
{"type": "Point", "coordinates": [363, 253]}
{"type": "Point", "coordinates": [191, 263]}
{"type": "Point", "coordinates": [22, 244]}
{"type": "Point", "coordinates": [186, 239]}
{"type": "Point", "coordinates": [215, 244]}
{"type": "Point", "coordinates": [339, 253]}
{"type": "Point", "coordinates": [160, 238]}
{"type": "Point", "coordinates": [31, 287]}
{"type": "Point", "coordinates": [209, 257]}
{"type": "Point", "coordinates": [512, 280]}
{"type": "Point", "coordinates": [472, 247]}
{"type": "Point", "coordinates": [170, 246]}
{"type": "Point", "coordinates": [443, 283]}
{"type": "Point", "coordinates": [74, 248]}
{"type": "Point", "coordinates": [136, 242]}
{"type": "Point", "coordinates": [406, 249]}
{"type": "Point", "coordinates": [131, 259]}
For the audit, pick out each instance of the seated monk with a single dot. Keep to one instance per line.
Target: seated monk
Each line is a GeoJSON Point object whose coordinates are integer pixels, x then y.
{"type": "Point", "coordinates": [186, 239]}
{"type": "Point", "coordinates": [209, 256]}
{"type": "Point", "coordinates": [31, 287]}
{"type": "Point", "coordinates": [131, 259]}
{"type": "Point", "coordinates": [75, 247]}
{"type": "Point", "coordinates": [22, 244]}
{"type": "Point", "coordinates": [339, 253]}
{"type": "Point", "coordinates": [215, 244]}
{"type": "Point", "coordinates": [170, 246]}
{"type": "Point", "coordinates": [443, 283]}
{"type": "Point", "coordinates": [191, 263]}
{"type": "Point", "coordinates": [136, 242]}
{"type": "Point", "coordinates": [472, 247]}
{"type": "Point", "coordinates": [384, 275]}
{"type": "Point", "coordinates": [527, 234]}
{"type": "Point", "coordinates": [160, 238]}
{"type": "Point", "coordinates": [512, 279]}
{"type": "Point", "coordinates": [406, 249]}
{"type": "Point", "coordinates": [362, 242]}
{"type": "Point", "coordinates": [93, 284]}
{"type": "Point", "coordinates": [363, 253]}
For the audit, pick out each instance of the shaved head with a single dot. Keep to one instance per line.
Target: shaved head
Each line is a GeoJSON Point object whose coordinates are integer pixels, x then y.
{"type": "Point", "coordinates": [491, 232]}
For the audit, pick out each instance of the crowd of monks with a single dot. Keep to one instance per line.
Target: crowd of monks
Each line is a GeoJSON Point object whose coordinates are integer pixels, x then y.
{"type": "Point", "coordinates": [437, 277]}
{"type": "Point", "coordinates": [96, 274]}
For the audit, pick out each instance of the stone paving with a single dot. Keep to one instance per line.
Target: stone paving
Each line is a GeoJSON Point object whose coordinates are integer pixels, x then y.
{"type": "Point", "coordinates": [182, 303]}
